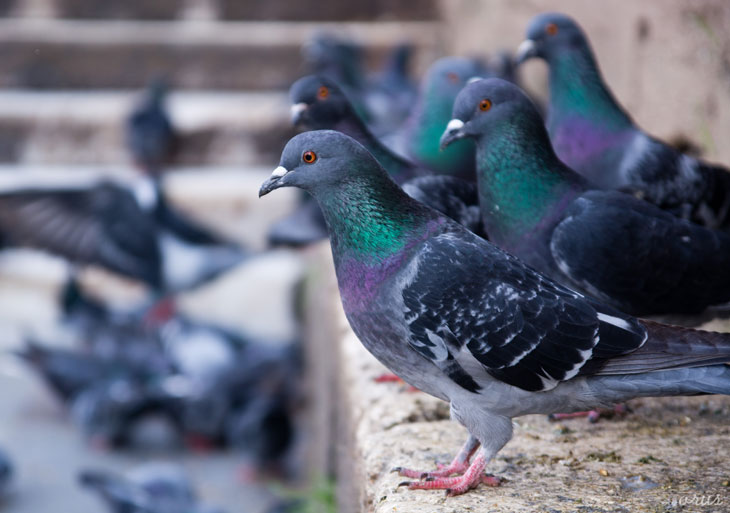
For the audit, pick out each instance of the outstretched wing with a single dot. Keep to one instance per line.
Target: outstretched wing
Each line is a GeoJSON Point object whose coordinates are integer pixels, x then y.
{"type": "Point", "coordinates": [102, 225]}
{"type": "Point", "coordinates": [471, 306]}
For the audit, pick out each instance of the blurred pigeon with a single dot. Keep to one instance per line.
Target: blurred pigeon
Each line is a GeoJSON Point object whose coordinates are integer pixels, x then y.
{"type": "Point", "coordinates": [418, 138]}
{"type": "Point", "coordinates": [133, 232]}
{"type": "Point", "coordinates": [392, 92]}
{"type": "Point", "coordinates": [150, 488]}
{"type": "Point", "coordinates": [464, 321]}
{"type": "Point", "coordinates": [6, 472]}
{"type": "Point", "coordinates": [623, 251]}
{"type": "Point", "coordinates": [67, 372]}
{"type": "Point", "coordinates": [318, 103]}
{"type": "Point", "coordinates": [593, 134]}
{"type": "Point", "coordinates": [150, 136]}
{"type": "Point", "coordinates": [122, 412]}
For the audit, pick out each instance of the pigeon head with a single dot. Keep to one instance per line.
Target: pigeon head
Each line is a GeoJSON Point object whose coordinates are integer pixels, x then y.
{"type": "Point", "coordinates": [548, 34]}
{"type": "Point", "coordinates": [318, 103]}
{"type": "Point", "coordinates": [447, 76]}
{"type": "Point", "coordinates": [487, 106]}
{"type": "Point", "coordinates": [318, 160]}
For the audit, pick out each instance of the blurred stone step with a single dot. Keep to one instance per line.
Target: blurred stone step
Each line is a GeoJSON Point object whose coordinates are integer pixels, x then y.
{"type": "Point", "coordinates": [250, 10]}
{"type": "Point", "coordinates": [87, 127]}
{"type": "Point", "coordinates": [72, 54]}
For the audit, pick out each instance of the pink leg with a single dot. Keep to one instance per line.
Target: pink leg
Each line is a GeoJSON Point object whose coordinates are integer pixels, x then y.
{"type": "Point", "coordinates": [460, 484]}
{"type": "Point", "coordinates": [458, 466]}
{"type": "Point", "coordinates": [592, 415]}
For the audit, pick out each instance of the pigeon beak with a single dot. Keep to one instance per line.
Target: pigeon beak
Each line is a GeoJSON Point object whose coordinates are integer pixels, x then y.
{"type": "Point", "coordinates": [274, 181]}
{"type": "Point", "coordinates": [454, 131]}
{"type": "Point", "coordinates": [526, 50]}
{"type": "Point", "coordinates": [297, 111]}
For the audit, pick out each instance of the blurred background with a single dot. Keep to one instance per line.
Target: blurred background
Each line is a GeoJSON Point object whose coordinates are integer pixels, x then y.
{"type": "Point", "coordinates": [101, 372]}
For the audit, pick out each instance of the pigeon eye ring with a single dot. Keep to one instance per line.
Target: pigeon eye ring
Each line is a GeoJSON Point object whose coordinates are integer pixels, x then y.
{"type": "Point", "coordinates": [485, 105]}
{"type": "Point", "coordinates": [551, 29]}
{"type": "Point", "coordinates": [323, 92]}
{"type": "Point", "coordinates": [309, 157]}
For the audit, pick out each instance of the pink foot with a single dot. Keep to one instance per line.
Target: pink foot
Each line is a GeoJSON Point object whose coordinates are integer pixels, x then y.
{"type": "Point", "coordinates": [473, 476]}
{"type": "Point", "coordinates": [593, 416]}
{"type": "Point", "coordinates": [459, 465]}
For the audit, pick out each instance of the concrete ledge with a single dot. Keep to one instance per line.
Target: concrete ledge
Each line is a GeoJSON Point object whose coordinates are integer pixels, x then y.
{"type": "Point", "coordinates": [676, 448]}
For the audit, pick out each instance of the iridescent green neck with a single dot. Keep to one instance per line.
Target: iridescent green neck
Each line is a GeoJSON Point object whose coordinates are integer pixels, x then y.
{"type": "Point", "coordinates": [577, 90]}
{"type": "Point", "coordinates": [426, 125]}
{"type": "Point", "coordinates": [521, 182]}
{"type": "Point", "coordinates": [369, 218]}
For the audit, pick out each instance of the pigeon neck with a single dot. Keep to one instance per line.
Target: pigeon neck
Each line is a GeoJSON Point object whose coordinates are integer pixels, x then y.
{"type": "Point", "coordinates": [370, 218]}
{"type": "Point", "coordinates": [578, 92]}
{"type": "Point", "coordinates": [522, 184]}
{"type": "Point", "coordinates": [430, 116]}
{"type": "Point", "coordinates": [398, 169]}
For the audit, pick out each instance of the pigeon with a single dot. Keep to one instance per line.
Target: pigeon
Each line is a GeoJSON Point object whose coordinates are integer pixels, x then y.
{"type": "Point", "coordinates": [418, 138]}
{"type": "Point", "coordinates": [464, 321]}
{"type": "Point", "coordinates": [150, 135]}
{"type": "Point", "coordinates": [607, 244]}
{"type": "Point", "coordinates": [318, 103]}
{"type": "Point", "coordinates": [130, 230]}
{"type": "Point", "coordinates": [6, 472]}
{"type": "Point", "coordinates": [596, 137]}
{"type": "Point", "coordinates": [154, 487]}
{"type": "Point", "coordinates": [391, 93]}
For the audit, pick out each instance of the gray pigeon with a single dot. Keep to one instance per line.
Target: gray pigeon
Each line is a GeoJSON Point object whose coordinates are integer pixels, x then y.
{"type": "Point", "coordinates": [596, 137]}
{"type": "Point", "coordinates": [462, 320]}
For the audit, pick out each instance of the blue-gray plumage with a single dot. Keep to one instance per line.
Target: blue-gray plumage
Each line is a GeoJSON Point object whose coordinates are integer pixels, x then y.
{"type": "Point", "coordinates": [151, 138]}
{"type": "Point", "coordinates": [462, 320]}
{"type": "Point", "coordinates": [619, 249]}
{"type": "Point", "coordinates": [596, 137]}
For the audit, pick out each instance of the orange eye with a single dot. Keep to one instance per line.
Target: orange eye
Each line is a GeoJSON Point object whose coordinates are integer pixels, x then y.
{"type": "Point", "coordinates": [309, 157]}
{"type": "Point", "coordinates": [485, 105]}
{"type": "Point", "coordinates": [551, 29]}
{"type": "Point", "coordinates": [453, 77]}
{"type": "Point", "coordinates": [323, 92]}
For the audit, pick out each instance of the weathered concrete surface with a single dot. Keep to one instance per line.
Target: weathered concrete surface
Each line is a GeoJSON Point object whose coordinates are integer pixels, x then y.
{"type": "Point", "coordinates": [681, 446]}
{"type": "Point", "coordinates": [667, 61]}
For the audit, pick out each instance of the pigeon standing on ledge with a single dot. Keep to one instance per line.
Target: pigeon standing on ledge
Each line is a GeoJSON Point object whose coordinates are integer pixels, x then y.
{"type": "Point", "coordinates": [597, 138]}
{"type": "Point", "coordinates": [462, 320]}
{"type": "Point", "coordinates": [621, 250]}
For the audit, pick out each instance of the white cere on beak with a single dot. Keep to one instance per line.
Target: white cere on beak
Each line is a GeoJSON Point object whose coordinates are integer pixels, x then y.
{"type": "Point", "coordinates": [526, 48]}
{"type": "Point", "coordinates": [279, 172]}
{"type": "Point", "coordinates": [297, 109]}
{"type": "Point", "coordinates": [473, 79]}
{"type": "Point", "coordinates": [454, 124]}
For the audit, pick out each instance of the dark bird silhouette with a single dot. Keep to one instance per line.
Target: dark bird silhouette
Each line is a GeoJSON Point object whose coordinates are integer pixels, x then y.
{"type": "Point", "coordinates": [130, 231]}
{"type": "Point", "coordinates": [150, 135]}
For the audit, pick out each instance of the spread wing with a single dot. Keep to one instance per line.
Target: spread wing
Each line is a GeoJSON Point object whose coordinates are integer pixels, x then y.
{"type": "Point", "coordinates": [102, 225]}
{"type": "Point", "coordinates": [473, 309]}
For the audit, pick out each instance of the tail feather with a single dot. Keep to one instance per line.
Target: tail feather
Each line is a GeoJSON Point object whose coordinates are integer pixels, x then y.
{"type": "Point", "coordinates": [671, 347]}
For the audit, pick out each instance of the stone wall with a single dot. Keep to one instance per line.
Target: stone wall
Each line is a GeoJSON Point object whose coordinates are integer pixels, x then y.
{"type": "Point", "coordinates": [667, 61]}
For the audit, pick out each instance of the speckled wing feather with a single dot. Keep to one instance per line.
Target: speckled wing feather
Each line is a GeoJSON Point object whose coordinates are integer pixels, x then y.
{"type": "Point", "coordinates": [469, 300]}
{"type": "Point", "coordinates": [452, 196]}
